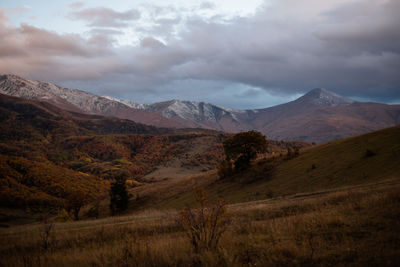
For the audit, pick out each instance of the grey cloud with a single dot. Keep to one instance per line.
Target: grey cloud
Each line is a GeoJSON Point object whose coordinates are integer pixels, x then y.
{"type": "Point", "coordinates": [151, 43]}
{"type": "Point", "coordinates": [105, 17]}
{"type": "Point", "coordinates": [284, 49]}
{"type": "Point", "coordinates": [298, 53]}
{"type": "Point", "coordinates": [283, 55]}
{"type": "Point", "coordinates": [207, 5]}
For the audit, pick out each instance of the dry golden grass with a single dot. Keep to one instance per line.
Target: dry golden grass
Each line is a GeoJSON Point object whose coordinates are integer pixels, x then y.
{"type": "Point", "coordinates": [328, 166]}
{"type": "Point", "coordinates": [353, 226]}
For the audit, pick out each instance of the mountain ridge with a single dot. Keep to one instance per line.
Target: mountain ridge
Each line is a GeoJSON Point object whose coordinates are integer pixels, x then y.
{"type": "Point", "coordinates": [318, 116]}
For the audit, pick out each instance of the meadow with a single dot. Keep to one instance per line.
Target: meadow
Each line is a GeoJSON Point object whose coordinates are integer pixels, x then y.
{"type": "Point", "coordinates": [335, 204]}
{"type": "Point", "coordinates": [357, 225]}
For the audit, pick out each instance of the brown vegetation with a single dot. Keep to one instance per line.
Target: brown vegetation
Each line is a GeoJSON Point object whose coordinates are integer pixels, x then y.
{"type": "Point", "coordinates": [48, 156]}
{"type": "Point", "coordinates": [355, 226]}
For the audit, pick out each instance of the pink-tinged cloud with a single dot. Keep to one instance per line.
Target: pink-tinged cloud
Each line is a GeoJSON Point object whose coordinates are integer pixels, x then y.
{"type": "Point", "coordinates": [105, 17]}
{"type": "Point", "coordinates": [37, 53]}
{"type": "Point", "coordinates": [76, 5]}
{"type": "Point", "coordinates": [3, 18]}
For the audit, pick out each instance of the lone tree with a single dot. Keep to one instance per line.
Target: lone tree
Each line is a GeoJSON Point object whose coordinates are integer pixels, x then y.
{"type": "Point", "coordinates": [243, 147]}
{"type": "Point", "coordinates": [118, 195]}
{"type": "Point", "coordinates": [75, 201]}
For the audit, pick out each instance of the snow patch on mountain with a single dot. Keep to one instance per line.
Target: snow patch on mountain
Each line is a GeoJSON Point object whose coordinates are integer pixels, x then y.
{"type": "Point", "coordinates": [129, 103]}
{"type": "Point", "coordinates": [198, 111]}
{"type": "Point", "coordinates": [324, 97]}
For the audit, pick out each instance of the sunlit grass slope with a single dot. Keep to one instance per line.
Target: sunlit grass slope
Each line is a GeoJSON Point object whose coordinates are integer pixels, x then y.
{"type": "Point", "coordinates": [362, 159]}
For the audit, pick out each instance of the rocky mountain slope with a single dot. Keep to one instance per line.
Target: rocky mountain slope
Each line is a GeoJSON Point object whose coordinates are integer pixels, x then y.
{"type": "Point", "coordinates": [318, 116]}
{"type": "Point", "coordinates": [78, 101]}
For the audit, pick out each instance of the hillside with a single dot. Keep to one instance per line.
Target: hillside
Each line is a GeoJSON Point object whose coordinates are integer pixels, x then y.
{"type": "Point", "coordinates": [48, 154]}
{"type": "Point", "coordinates": [325, 167]}
{"type": "Point", "coordinates": [356, 226]}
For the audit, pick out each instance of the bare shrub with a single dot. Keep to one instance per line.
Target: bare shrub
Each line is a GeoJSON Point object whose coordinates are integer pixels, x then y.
{"type": "Point", "coordinates": [46, 234]}
{"type": "Point", "coordinates": [204, 226]}
{"type": "Point", "coordinates": [225, 169]}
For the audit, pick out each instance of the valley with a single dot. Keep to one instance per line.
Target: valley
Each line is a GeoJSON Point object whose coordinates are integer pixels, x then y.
{"type": "Point", "coordinates": [296, 203]}
{"type": "Point", "coordinates": [195, 133]}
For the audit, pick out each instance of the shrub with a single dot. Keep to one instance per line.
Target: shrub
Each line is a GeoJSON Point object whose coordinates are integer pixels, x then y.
{"type": "Point", "coordinates": [93, 212]}
{"type": "Point", "coordinates": [225, 169]}
{"type": "Point", "coordinates": [75, 201]}
{"type": "Point", "coordinates": [292, 153]}
{"type": "Point", "coordinates": [244, 147]}
{"type": "Point", "coordinates": [63, 216]}
{"type": "Point", "coordinates": [204, 226]}
{"type": "Point", "coordinates": [46, 234]}
{"type": "Point", "coordinates": [369, 153]}
{"type": "Point", "coordinates": [118, 195]}
{"type": "Point", "coordinates": [313, 166]}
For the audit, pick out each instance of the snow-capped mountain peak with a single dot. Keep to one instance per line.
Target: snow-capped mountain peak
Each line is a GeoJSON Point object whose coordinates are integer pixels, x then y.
{"type": "Point", "coordinates": [324, 97]}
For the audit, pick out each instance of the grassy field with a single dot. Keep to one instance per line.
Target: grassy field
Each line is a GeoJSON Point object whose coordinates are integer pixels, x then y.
{"type": "Point", "coordinates": [334, 204]}
{"type": "Point", "coordinates": [332, 165]}
{"type": "Point", "coordinates": [357, 226]}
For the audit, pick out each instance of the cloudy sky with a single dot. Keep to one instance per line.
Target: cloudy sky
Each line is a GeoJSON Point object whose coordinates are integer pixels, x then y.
{"type": "Point", "coordinates": [239, 54]}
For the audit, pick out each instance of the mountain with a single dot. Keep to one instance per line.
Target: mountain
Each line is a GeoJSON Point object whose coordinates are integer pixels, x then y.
{"type": "Point", "coordinates": [318, 116]}
{"type": "Point", "coordinates": [323, 97]}
{"type": "Point", "coordinates": [193, 114]}
{"type": "Point", "coordinates": [78, 101]}
{"type": "Point", "coordinates": [31, 119]}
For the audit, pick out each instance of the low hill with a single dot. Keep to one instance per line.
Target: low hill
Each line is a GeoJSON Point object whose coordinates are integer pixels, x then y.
{"type": "Point", "coordinates": [357, 160]}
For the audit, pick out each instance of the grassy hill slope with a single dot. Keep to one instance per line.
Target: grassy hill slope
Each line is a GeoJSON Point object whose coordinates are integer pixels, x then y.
{"type": "Point", "coordinates": [356, 226]}
{"type": "Point", "coordinates": [332, 165]}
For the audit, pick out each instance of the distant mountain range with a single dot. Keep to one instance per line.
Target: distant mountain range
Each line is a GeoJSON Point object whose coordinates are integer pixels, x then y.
{"type": "Point", "coordinates": [318, 116]}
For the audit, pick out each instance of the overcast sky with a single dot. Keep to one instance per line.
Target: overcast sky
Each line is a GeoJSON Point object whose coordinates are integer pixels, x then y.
{"type": "Point", "coordinates": [238, 54]}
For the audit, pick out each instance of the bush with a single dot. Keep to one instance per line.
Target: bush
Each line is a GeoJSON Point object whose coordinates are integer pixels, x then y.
{"type": "Point", "coordinates": [118, 196]}
{"type": "Point", "coordinates": [93, 212]}
{"type": "Point", "coordinates": [205, 225]}
{"type": "Point", "coordinates": [244, 147]}
{"type": "Point", "coordinates": [63, 216]}
{"type": "Point", "coordinates": [369, 153]}
{"type": "Point", "coordinates": [225, 169]}
{"type": "Point", "coordinates": [75, 201]}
